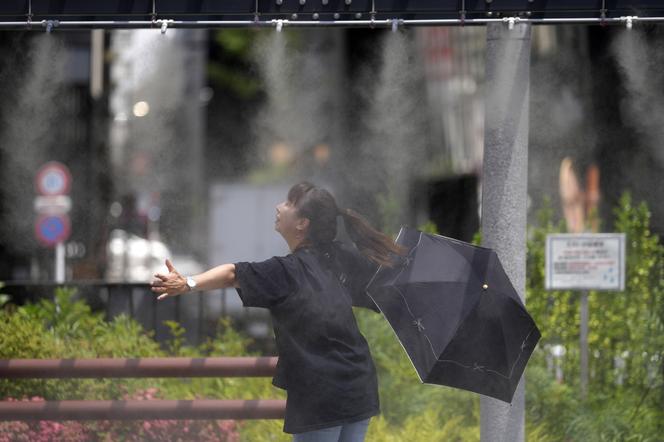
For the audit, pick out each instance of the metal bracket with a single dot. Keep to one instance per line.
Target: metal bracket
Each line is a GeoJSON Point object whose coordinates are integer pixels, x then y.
{"type": "Point", "coordinates": [50, 25]}
{"type": "Point", "coordinates": [629, 21]}
{"type": "Point", "coordinates": [511, 21]}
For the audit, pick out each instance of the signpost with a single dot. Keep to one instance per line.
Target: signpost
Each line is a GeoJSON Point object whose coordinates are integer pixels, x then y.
{"type": "Point", "coordinates": [53, 227]}
{"type": "Point", "coordinates": [585, 261]}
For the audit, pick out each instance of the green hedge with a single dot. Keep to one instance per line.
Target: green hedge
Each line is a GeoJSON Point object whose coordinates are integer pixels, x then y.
{"type": "Point", "coordinates": [622, 404]}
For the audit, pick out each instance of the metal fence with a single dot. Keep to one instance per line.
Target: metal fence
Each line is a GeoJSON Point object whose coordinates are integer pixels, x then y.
{"type": "Point", "coordinates": [198, 313]}
{"type": "Point", "coordinates": [140, 409]}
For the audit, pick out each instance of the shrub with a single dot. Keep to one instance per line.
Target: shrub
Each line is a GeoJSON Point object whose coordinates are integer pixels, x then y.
{"type": "Point", "coordinates": [65, 328]}
{"type": "Point", "coordinates": [622, 404]}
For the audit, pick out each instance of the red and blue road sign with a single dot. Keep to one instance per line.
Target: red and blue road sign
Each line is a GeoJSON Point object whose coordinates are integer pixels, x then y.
{"type": "Point", "coordinates": [53, 183]}
{"type": "Point", "coordinates": [53, 178]}
{"type": "Point", "coordinates": [52, 229]}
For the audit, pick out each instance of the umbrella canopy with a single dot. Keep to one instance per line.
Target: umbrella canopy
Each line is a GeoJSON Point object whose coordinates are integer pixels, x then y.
{"type": "Point", "coordinates": [456, 314]}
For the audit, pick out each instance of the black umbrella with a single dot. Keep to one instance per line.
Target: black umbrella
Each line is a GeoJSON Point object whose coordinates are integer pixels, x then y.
{"type": "Point", "coordinates": [456, 314]}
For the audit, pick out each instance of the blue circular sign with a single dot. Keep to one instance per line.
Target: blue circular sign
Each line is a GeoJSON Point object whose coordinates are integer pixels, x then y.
{"type": "Point", "coordinates": [53, 178]}
{"type": "Point", "coordinates": [52, 229]}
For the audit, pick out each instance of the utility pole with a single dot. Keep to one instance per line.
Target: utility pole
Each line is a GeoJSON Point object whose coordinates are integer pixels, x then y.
{"type": "Point", "coordinates": [504, 190]}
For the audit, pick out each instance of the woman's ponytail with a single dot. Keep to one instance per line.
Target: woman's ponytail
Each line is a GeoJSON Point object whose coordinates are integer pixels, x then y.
{"type": "Point", "coordinates": [373, 244]}
{"type": "Point", "coordinates": [320, 207]}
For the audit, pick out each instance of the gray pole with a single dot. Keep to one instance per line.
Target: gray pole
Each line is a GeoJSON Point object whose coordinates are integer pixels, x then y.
{"type": "Point", "coordinates": [504, 190]}
{"type": "Point", "coordinates": [584, 344]}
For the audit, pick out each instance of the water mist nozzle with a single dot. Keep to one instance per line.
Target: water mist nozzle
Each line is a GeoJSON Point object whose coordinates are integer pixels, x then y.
{"type": "Point", "coordinates": [50, 24]}
{"type": "Point", "coordinates": [395, 24]}
{"type": "Point", "coordinates": [629, 21]}
{"type": "Point", "coordinates": [511, 21]}
{"type": "Point", "coordinates": [164, 25]}
{"type": "Point", "coordinates": [278, 24]}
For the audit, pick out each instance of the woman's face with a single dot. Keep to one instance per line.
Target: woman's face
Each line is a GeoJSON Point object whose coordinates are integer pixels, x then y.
{"type": "Point", "coordinates": [288, 222]}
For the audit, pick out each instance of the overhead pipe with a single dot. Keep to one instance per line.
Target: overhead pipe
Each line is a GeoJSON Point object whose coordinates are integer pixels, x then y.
{"type": "Point", "coordinates": [371, 23]}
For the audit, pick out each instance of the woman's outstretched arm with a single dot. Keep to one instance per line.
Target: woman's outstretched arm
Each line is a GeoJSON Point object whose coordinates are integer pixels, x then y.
{"type": "Point", "coordinates": [174, 283]}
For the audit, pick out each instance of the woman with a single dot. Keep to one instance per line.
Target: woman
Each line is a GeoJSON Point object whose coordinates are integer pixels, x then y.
{"type": "Point", "coordinates": [324, 361]}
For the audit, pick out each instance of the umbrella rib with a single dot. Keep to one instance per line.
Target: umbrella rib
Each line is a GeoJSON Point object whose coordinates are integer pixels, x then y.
{"type": "Point", "coordinates": [482, 277]}
{"type": "Point", "coordinates": [410, 254]}
{"type": "Point", "coordinates": [399, 340]}
{"type": "Point", "coordinates": [475, 367]}
{"type": "Point", "coordinates": [396, 241]}
{"type": "Point", "coordinates": [523, 346]}
{"type": "Point", "coordinates": [418, 323]}
{"type": "Point", "coordinates": [482, 368]}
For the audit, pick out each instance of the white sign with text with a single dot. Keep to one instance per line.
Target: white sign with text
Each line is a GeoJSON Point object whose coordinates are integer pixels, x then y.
{"type": "Point", "coordinates": [587, 261]}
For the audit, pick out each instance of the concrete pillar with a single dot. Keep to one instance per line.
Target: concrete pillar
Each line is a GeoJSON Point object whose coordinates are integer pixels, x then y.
{"type": "Point", "coordinates": [504, 190]}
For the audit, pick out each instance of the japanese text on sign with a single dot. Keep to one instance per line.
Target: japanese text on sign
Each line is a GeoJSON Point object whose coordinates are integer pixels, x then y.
{"type": "Point", "coordinates": [585, 261]}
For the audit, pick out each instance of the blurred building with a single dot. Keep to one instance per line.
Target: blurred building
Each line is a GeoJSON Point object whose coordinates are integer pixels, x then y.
{"type": "Point", "coordinates": [449, 193]}
{"type": "Point", "coordinates": [156, 137]}
{"type": "Point", "coordinates": [596, 101]}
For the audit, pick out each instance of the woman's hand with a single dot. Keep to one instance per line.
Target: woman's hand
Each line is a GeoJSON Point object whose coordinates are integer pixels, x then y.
{"type": "Point", "coordinates": [171, 284]}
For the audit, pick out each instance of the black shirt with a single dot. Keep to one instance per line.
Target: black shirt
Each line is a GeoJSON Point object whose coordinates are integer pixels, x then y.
{"type": "Point", "coordinates": [324, 361]}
